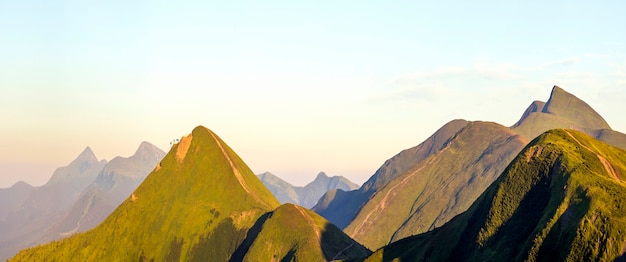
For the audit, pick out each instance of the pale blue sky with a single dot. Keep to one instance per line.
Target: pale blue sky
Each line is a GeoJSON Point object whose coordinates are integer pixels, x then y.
{"type": "Point", "coordinates": [294, 87]}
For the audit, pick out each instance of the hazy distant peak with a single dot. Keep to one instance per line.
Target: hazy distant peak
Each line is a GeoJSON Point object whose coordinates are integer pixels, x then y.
{"type": "Point", "coordinates": [87, 156]}
{"type": "Point", "coordinates": [266, 175]}
{"type": "Point", "coordinates": [321, 175]}
{"type": "Point", "coordinates": [21, 184]}
{"type": "Point", "coordinates": [147, 149]}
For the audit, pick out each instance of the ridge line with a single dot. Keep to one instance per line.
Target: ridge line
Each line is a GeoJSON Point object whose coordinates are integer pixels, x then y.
{"type": "Point", "coordinates": [605, 162]}
{"type": "Point", "coordinates": [236, 172]}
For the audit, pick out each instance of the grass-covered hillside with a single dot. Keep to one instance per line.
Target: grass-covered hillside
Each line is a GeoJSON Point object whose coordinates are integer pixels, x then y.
{"type": "Point", "coordinates": [562, 198]}
{"type": "Point", "coordinates": [197, 204]}
{"type": "Point", "coordinates": [294, 233]}
{"type": "Point", "coordinates": [439, 188]}
{"type": "Point", "coordinates": [341, 207]}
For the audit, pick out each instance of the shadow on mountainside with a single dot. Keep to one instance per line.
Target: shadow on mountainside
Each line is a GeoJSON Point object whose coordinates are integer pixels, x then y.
{"type": "Point", "coordinates": [338, 246]}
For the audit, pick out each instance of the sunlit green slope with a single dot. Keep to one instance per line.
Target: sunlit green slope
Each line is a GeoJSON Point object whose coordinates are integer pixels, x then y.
{"type": "Point", "coordinates": [562, 198]}
{"type": "Point", "coordinates": [198, 203]}
{"type": "Point", "coordinates": [439, 188]}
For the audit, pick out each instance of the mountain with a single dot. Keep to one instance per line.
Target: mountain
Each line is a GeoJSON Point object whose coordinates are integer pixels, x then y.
{"type": "Point", "coordinates": [560, 199]}
{"type": "Point", "coordinates": [564, 110]}
{"type": "Point", "coordinates": [25, 223]}
{"type": "Point", "coordinates": [12, 197]}
{"type": "Point", "coordinates": [308, 195]}
{"type": "Point", "coordinates": [340, 207]}
{"type": "Point", "coordinates": [273, 238]}
{"type": "Point", "coordinates": [201, 202]}
{"type": "Point", "coordinates": [438, 188]}
{"type": "Point", "coordinates": [115, 182]}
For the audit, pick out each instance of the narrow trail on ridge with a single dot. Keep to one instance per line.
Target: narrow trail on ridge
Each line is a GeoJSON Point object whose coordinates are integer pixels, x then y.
{"type": "Point", "coordinates": [605, 162]}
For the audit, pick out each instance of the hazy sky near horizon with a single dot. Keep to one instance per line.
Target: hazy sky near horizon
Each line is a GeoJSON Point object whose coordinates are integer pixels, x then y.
{"type": "Point", "coordinates": [293, 87]}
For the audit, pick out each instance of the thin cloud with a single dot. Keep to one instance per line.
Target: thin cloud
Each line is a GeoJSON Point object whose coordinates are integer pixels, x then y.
{"type": "Point", "coordinates": [495, 71]}
{"type": "Point", "coordinates": [575, 74]}
{"type": "Point", "coordinates": [442, 72]}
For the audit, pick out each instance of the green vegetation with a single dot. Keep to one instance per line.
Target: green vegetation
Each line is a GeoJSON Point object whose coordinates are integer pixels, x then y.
{"type": "Point", "coordinates": [192, 201]}
{"type": "Point", "coordinates": [439, 188]}
{"type": "Point", "coordinates": [202, 203]}
{"type": "Point", "coordinates": [341, 207]}
{"type": "Point", "coordinates": [560, 199]}
{"type": "Point", "coordinates": [293, 232]}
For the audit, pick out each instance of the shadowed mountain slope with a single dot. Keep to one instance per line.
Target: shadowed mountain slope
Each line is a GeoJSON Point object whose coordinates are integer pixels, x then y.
{"type": "Point", "coordinates": [274, 238]}
{"type": "Point", "coordinates": [308, 195]}
{"type": "Point", "coordinates": [560, 199]}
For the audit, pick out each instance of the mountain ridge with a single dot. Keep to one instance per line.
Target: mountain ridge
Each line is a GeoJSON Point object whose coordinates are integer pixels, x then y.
{"type": "Point", "coordinates": [202, 202]}
{"type": "Point", "coordinates": [355, 211]}
{"type": "Point", "coordinates": [438, 188]}
{"type": "Point", "coordinates": [560, 199]}
{"type": "Point", "coordinates": [308, 195]}
{"type": "Point", "coordinates": [27, 221]}
{"type": "Point", "coordinates": [114, 183]}
{"type": "Point", "coordinates": [340, 207]}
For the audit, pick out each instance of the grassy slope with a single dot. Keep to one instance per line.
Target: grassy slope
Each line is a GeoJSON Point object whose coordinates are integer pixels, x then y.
{"type": "Point", "coordinates": [341, 207]}
{"type": "Point", "coordinates": [555, 201]}
{"type": "Point", "coordinates": [439, 188]}
{"type": "Point", "coordinates": [292, 232]}
{"type": "Point", "coordinates": [191, 207]}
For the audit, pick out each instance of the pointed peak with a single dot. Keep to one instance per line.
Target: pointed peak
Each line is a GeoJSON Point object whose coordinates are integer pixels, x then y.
{"type": "Point", "coordinates": [87, 156]}
{"type": "Point", "coordinates": [559, 94]}
{"type": "Point", "coordinates": [21, 184]}
{"type": "Point", "coordinates": [202, 129]}
{"type": "Point", "coordinates": [534, 107]}
{"type": "Point", "coordinates": [570, 107]}
{"type": "Point", "coordinates": [265, 175]}
{"type": "Point", "coordinates": [321, 175]}
{"type": "Point", "coordinates": [146, 148]}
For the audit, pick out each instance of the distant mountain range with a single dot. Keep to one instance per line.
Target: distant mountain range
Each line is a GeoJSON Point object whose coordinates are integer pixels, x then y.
{"type": "Point", "coordinates": [473, 191]}
{"type": "Point", "coordinates": [424, 187]}
{"type": "Point", "coordinates": [561, 199]}
{"type": "Point", "coordinates": [77, 198]}
{"type": "Point", "coordinates": [203, 203]}
{"type": "Point", "coordinates": [308, 195]}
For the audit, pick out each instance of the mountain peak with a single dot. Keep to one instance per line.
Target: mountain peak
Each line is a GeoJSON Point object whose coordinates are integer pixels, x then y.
{"type": "Point", "coordinates": [201, 194]}
{"type": "Point", "coordinates": [321, 175]}
{"type": "Point", "coordinates": [82, 169]}
{"type": "Point", "coordinates": [534, 107]}
{"type": "Point", "coordinates": [87, 156]}
{"type": "Point", "coordinates": [572, 108]}
{"type": "Point", "coordinates": [146, 149]}
{"type": "Point", "coordinates": [562, 110]}
{"type": "Point", "coordinates": [550, 204]}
